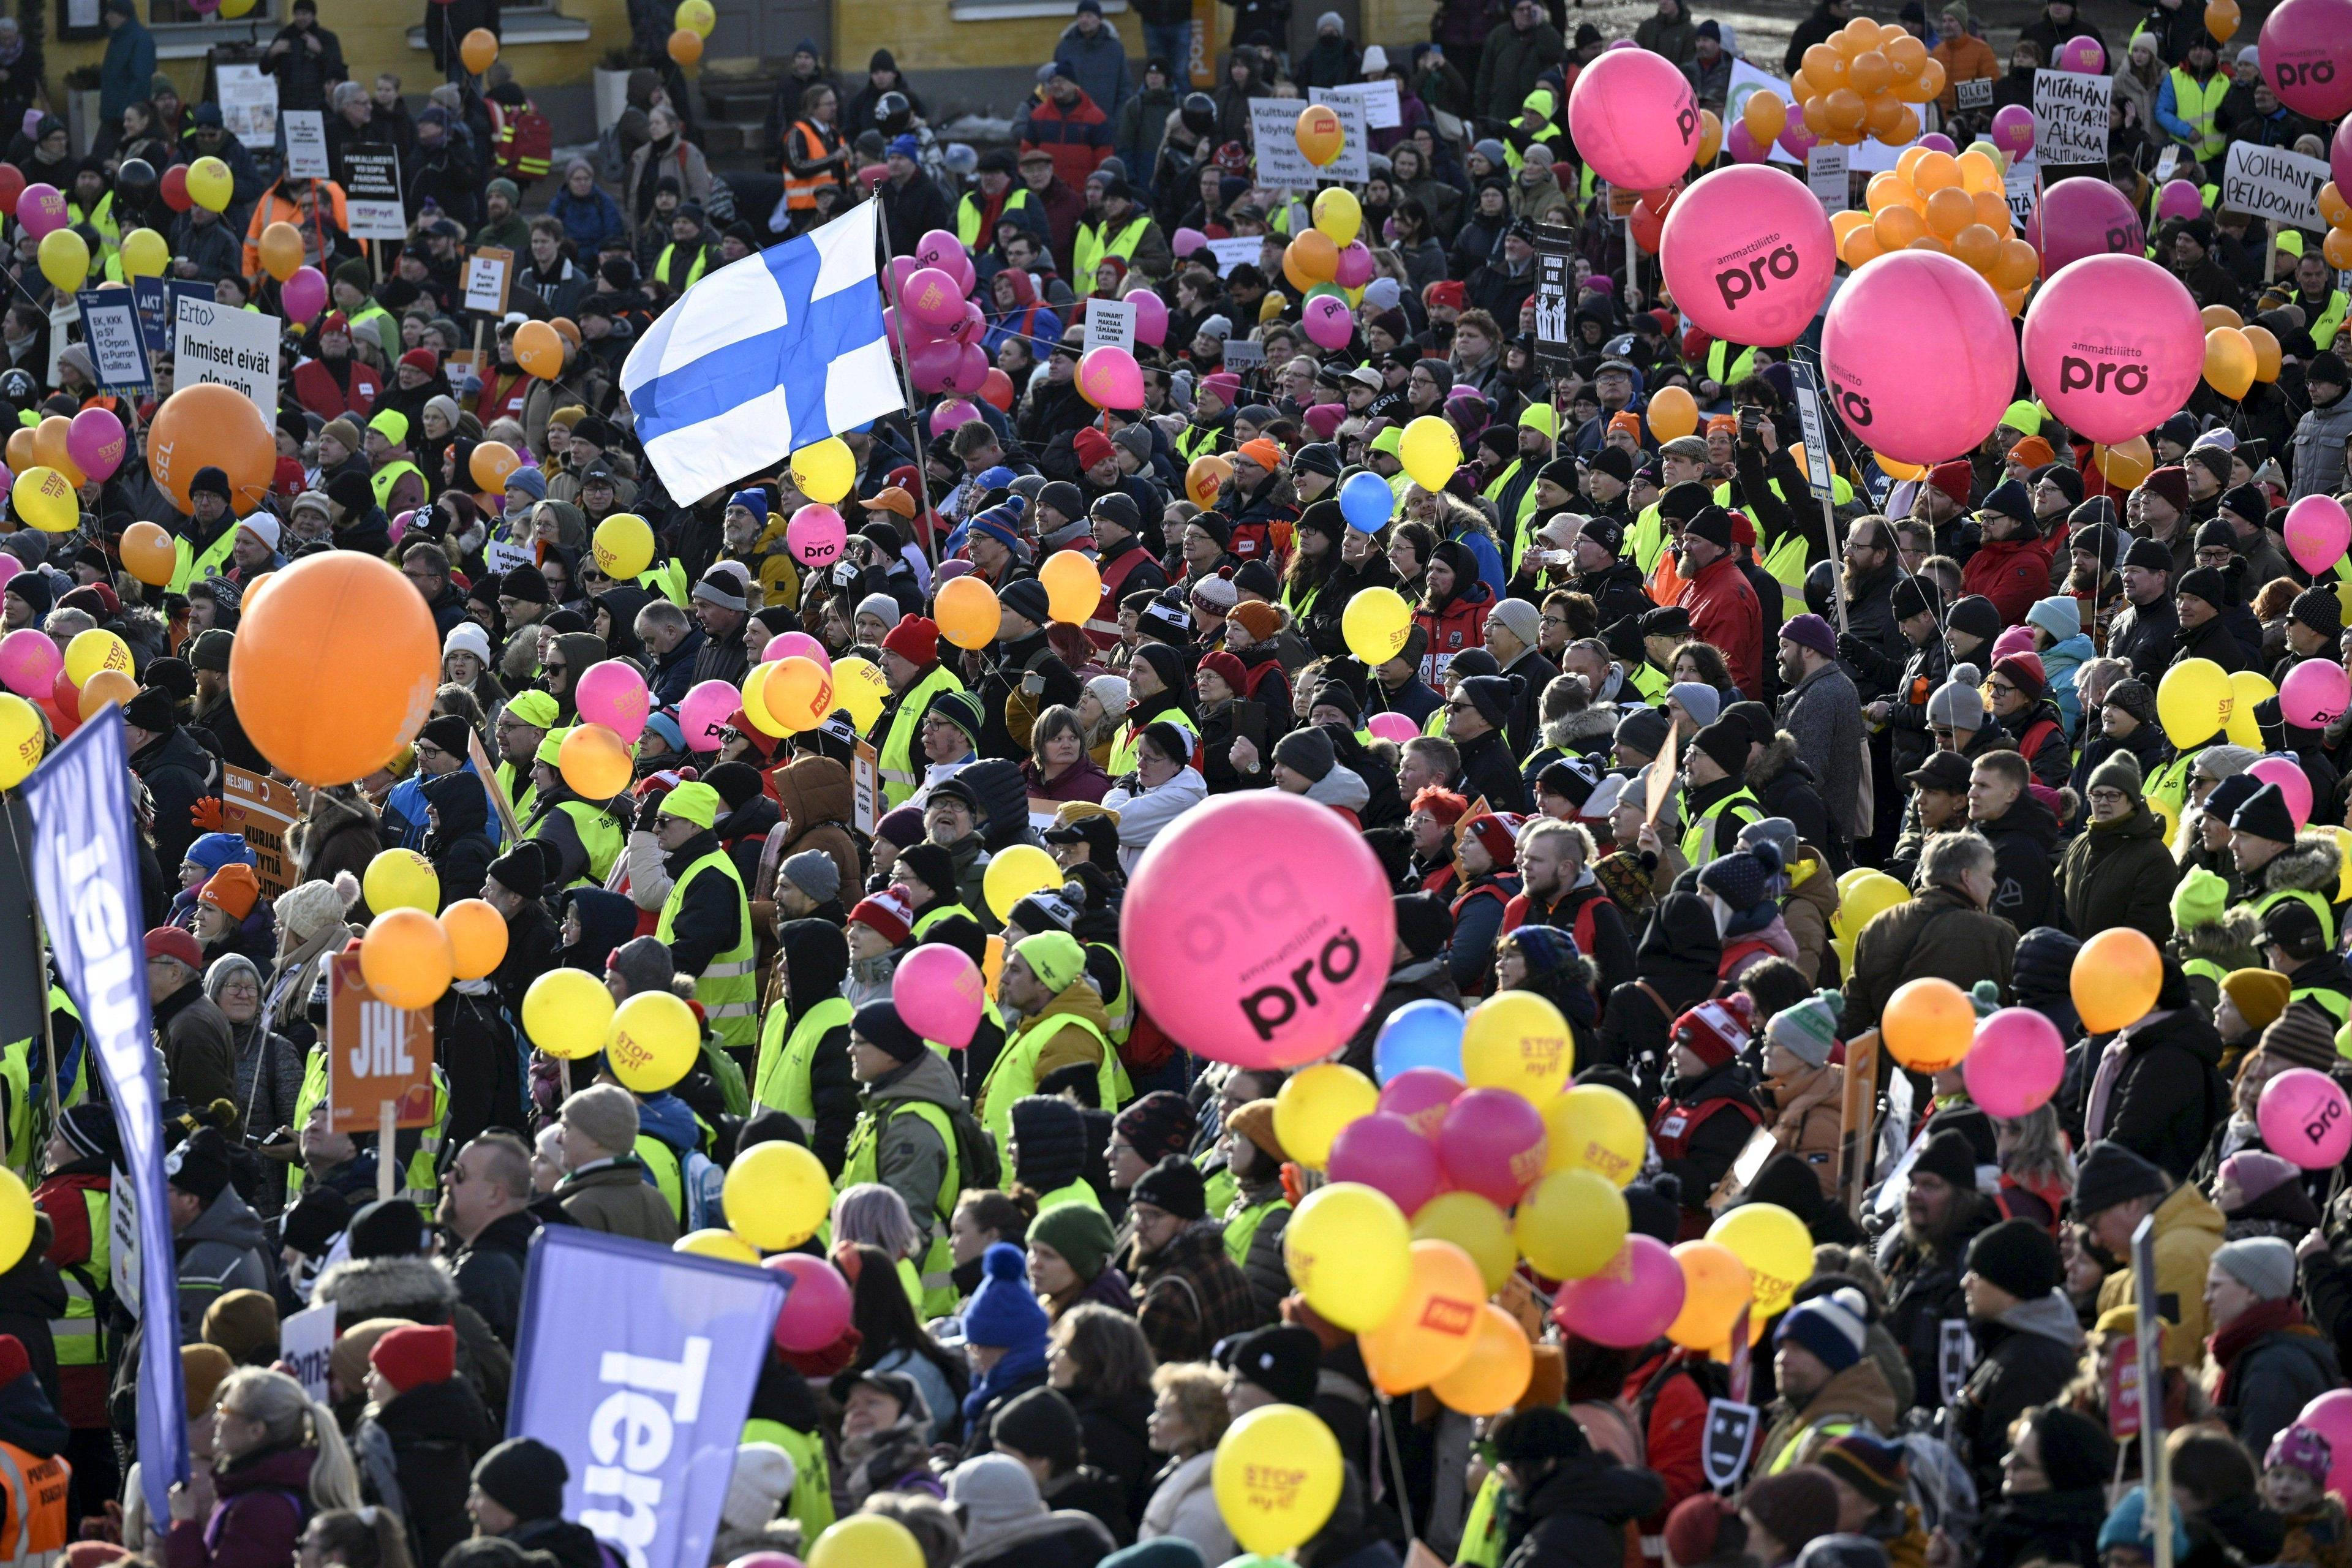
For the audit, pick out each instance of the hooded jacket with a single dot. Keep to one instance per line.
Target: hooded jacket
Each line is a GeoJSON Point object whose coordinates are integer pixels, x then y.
{"type": "Point", "coordinates": [2188, 1231]}
{"type": "Point", "coordinates": [421, 1291]}
{"type": "Point", "coordinates": [814, 796]}
{"type": "Point", "coordinates": [2167, 1092]}
{"type": "Point", "coordinates": [2270, 1379]}
{"type": "Point", "coordinates": [2025, 1357]}
{"type": "Point", "coordinates": [813, 961]}
{"type": "Point", "coordinates": [225, 1248]}
{"type": "Point", "coordinates": [909, 1159]}
{"type": "Point", "coordinates": [1676, 959]}
{"type": "Point", "coordinates": [2119, 873]}
{"type": "Point", "coordinates": [1857, 1394]}
{"type": "Point", "coordinates": [1576, 1517]}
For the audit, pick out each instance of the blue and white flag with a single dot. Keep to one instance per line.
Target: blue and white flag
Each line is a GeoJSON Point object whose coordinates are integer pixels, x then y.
{"type": "Point", "coordinates": [637, 1363]}
{"type": "Point", "coordinates": [764, 356]}
{"type": "Point", "coordinates": [86, 875]}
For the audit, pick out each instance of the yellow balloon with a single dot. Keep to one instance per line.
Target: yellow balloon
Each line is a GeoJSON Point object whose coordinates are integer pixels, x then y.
{"type": "Point", "coordinates": [721, 1244]}
{"type": "Point", "coordinates": [16, 1219]}
{"type": "Point", "coordinates": [65, 259]}
{"type": "Point", "coordinates": [401, 880]}
{"type": "Point", "coordinates": [1429, 451]}
{"type": "Point", "coordinates": [46, 499]}
{"type": "Point", "coordinates": [1012, 876]}
{"type": "Point", "coordinates": [1375, 625]}
{"type": "Point", "coordinates": [22, 738]}
{"type": "Point", "coordinates": [653, 1041]}
{"type": "Point", "coordinates": [1338, 215]}
{"type": "Point", "coordinates": [98, 649]}
{"type": "Point", "coordinates": [1475, 1226]}
{"type": "Point", "coordinates": [1346, 1251]}
{"type": "Point", "coordinates": [862, 689]}
{"type": "Point", "coordinates": [2248, 688]}
{"type": "Point", "coordinates": [144, 253]}
{"type": "Point", "coordinates": [567, 1013]}
{"type": "Point", "coordinates": [824, 471]}
{"type": "Point", "coordinates": [1595, 1127]}
{"type": "Point", "coordinates": [624, 545]}
{"type": "Point", "coordinates": [210, 183]}
{"type": "Point", "coordinates": [1865, 899]}
{"type": "Point", "coordinates": [1518, 1040]}
{"type": "Point", "coordinates": [755, 700]}
{"type": "Point", "coordinates": [1777, 1248]}
{"type": "Point", "coordinates": [696, 16]}
{"type": "Point", "coordinates": [1278, 1475]}
{"type": "Point", "coordinates": [1571, 1224]}
{"type": "Point", "coordinates": [2194, 701]}
{"type": "Point", "coordinates": [1315, 1105]}
{"type": "Point", "coordinates": [776, 1195]}
{"type": "Point", "coordinates": [866, 1540]}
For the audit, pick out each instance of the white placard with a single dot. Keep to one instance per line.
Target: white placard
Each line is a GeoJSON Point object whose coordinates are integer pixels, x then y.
{"type": "Point", "coordinates": [2023, 187]}
{"type": "Point", "coordinates": [503, 556]}
{"type": "Point", "coordinates": [1232, 253]}
{"type": "Point", "coordinates": [1110, 324]}
{"type": "Point", "coordinates": [305, 1342]}
{"type": "Point", "coordinates": [249, 103]}
{"type": "Point", "coordinates": [486, 274]}
{"type": "Point", "coordinates": [224, 344]}
{"type": "Point", "coordinates": [2169, 163]}
{"type": "Point", "coordinates": [1382, 110]}
{"type": "Point", "coordinates": [109, 324]}
{"type": "Point", "coordinates": [122, 1242]}
{"type": "Point", "coordinates": [371, 181]}
{"type": "Point", "coordinates": [1274, 132]}
{"type": "Point", "coordinates": [2069, 117]}
{"type": "Point", "coordinates": [2274, 185]}
{"type": "Point", "coordinates": [65, 314]}
{"type": "Point", "coordinates": [1825, 172]}
{"type": "Point", "coordinates": [306, 144]}
{"type": "Point", "coordinates": [1973, 94]}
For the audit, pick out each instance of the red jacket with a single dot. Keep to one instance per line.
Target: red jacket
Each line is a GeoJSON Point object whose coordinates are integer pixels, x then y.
{"type": "Point", "coordinates": [500, 396]}
{"type": "Point", "coordinates": [1462, 624]}
{"type": "Point", "coordinates": [1079, 137]}
{"type": "Point", "coordinates": [1678, 1430]}
{"type": "Point", "coordinates": [1724, 612]}
{"type": "Point", "coordinates": [2012, 572]}
{"type": "Point", "coordinates": [315, 389]}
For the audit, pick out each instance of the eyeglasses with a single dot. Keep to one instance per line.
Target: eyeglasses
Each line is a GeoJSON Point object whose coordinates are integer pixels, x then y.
{"type": "Point", "coordinates": [2108, 796]}
{"type": "Point", "coordinates": [2004, 688]}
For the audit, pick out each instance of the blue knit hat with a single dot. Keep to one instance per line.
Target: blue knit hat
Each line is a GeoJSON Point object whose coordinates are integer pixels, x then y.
{"type": "Point", "coordinates": [1001, 523]}
{"type": "Point", "coordinates": [1546, 949]}
{"type": "Point", "coordinates": [1004, 1313]}
{"type": "Point", "coordinates": [2128, 1526]}
{"type": "Point", "coordinates": [1834, 1327]}
{"type": "Point", "coordinates": [214, 850]}
{"type": "Point", "coordinates": [753, 501]}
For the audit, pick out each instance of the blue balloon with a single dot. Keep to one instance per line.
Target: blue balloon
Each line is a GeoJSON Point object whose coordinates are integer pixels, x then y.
{"type": "Point", "coordinates": [1424, 1033]}
{"type": "Point", "coordinates": [1366, 501]}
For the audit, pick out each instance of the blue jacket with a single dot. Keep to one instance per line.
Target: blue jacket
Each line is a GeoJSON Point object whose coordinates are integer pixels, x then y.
{"type": "Point", "coordinates": [403, 814]}
{"type": "Point", "coordinates": [1490, 561]}
{"type": "Point", "coordinates": [2059, 662]}
{"type": "Point", "coordinates": [587, 220]}
{"type": "Point", "coordinates": [128, 71]}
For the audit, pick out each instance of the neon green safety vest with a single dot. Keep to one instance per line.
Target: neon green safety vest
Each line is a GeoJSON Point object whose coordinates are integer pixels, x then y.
{"type": "Point", "coordinates": [781, 1079]}
{"type": "Point", "coordinates": [1650, 681]}
{"type": "Point", "coordinates": [2169, 784]}
{"type": "Point", "coordinates": [80, 1335]}
{"type": "Point", "coordinates": [2334, 1003]}
{"type": "Point", "coordinates": [511, 774]}
{"type": "Point", "coordinates": [1701, 828]}
{"type": "Point", "coordinates": [1018, 198]}
{"type": "Point", "coordinates": [1218, 1186]}
{"type": "Point", "coordinates": [1091, 248]}
{"type": "Point", "coordinates": [1014, 1074]}
{"type": "Point", "coordinates": [863, 1165]}
{"type": "Point", "coordinates": [17, 1072]}
{"type": "Point", "coordinates": [101, 218]}
{"type": "Point", "coordinates": [693, 273]}
{"type": "Point", "coordinates": [2197, 105]}
{"type": "Point", "coordinates": [1197, 441]}
{"type": "Point", "coordinates": [662, 1163]}
{"type": "Point", "coordinates": [1723, 370]}
{"type": "Point", "coordinates": [812, 1502]}
{"type": "Point", "coordinates": [727, 987]}
{"type": "Point", "coordinates": [600, 836]}
{"type": "Point", "coordinates": [1241, 1228]}
{"type": "Point", "coordinates": [1120, 1007]}
{"type": "Point", "coordinates": [1646, 540]}
{"type": "Point", "coordinates": [1127, 746]}
{"type": "Point", "coordinates": [383, 478]}
{"type": "Point", "coordinates": [313, 1090]}
{"type": "Point", "coordinates": [1077, 1192]}
{"type": "Point", "coordinates": [1483, 1529]}
{"type": "Point", "coordinates": [902, 774]}
{"type": "Point", "coordinates": [668, 580]}
{"type": "Point", "coordinates": [193, 568]}
{"type": "Point", "coordinates": [945, 910]}
{"type": "Point", "coordinates": [423, 1183]}
{"type": "Point", "coordinates": [2331, 321]}
{"type": "Point", "coordinates": [2207, 969]}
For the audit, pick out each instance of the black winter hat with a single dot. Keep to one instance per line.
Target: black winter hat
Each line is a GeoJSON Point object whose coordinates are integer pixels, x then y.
{"type": "Point", "coordinates": [1307, 751]}
{"type": "Point", "coordinates": [2265, 815]}
{"type": "Point", "coordinates": [1975, 615]}
{"type": "Point", "coordinates": [2068, 480]}
{"type": "Point", "coordinates": [1950, 1154]}
{"type": "Point", "coordinates": [2205, 583]}
{"type": "Point", "coordinates": [2101, 541]}
{"type": "Point", "coordinates": [2224, 799]}
{"type": "Point", "coordinates": [525, 582]}
{"type": "Point", "coordinates": [2010, 499]}
{"type": "Point", "coordinates": [1614, 462]}
{"type": "Point", "coordinates": [209, 481]}
{"type": "Point", "coordinates": [1175, 1185]}
{"type": "Point", "coordinates": [1282, 1360]}
{"type": "Point", "coordinates": [1424, 923]}
{"type": "Point", "coordinates": [879, 1025]}
{"type": "Point", "coordinates": [1712, 524]}
{"type": "Point", "coordinates": [388, 1228]}
{"type": "Point", "coordinates": [199, 1167]}
{"type": "Point", "coordinates": [2109, 1174]}
{"type": "Point", "coordinates": [1040, 1424]}
{"type": "Point", "coordinates": [2044, 963]}
{"type": "Point", "coordinates": [2148, 556]}
{"type": "Point", "coordinates": [1913, 595]}
{"type": "Point", "coordinates": [1026, 597]}
{"type": "Point", "coordinates": [1493, 695]}
{"type": "Point", "coordinates": [2291, 925]}
{"type": "Point", "coordinates": [1726, 742]}
{"type": "Point", "coordinates": [2319, 608]}
{"type": "Point", "coordinates": [1050, 1139]}
{"type": "Point", "coordinates": [522, 870]}
{"type": "Point", "coordinates": [2019, 1257]}
{"type": "Point", "coordinates": [525, 1477]}
{"type": "Point", "coordinates": [1545, 1432]}
{"type": "Point", "coordinates": [2249, 502]}
{"type": "Point", "coordinates": [1683, 502]}
{"type": "Point", "coordinates": [151, 709]}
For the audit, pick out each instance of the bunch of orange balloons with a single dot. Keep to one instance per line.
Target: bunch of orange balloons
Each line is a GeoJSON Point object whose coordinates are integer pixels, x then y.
{"type": "Point", "coordinates": [1863, 81]}
{"type": "Point", "coordinates": [2238, 355]}
{"type": "Point", "coordinates": [1938, 201]}
{"type": "Point", "coordinates": [2337, 246]}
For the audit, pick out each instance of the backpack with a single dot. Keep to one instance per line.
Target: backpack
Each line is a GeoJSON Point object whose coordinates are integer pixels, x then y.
{"type": "Point", "coordinates": [611, 167]}
{"type": "Point", "coordinates": [528, 146]}
{"type": "Point", "coordinates": [976, 1158]}
{"type": "Point", "coordinates": [700, 1180]}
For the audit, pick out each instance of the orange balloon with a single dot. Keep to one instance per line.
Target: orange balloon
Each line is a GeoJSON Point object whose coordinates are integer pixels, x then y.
{"type": "Point", "coordinates": [1716, 1285]}
{"type": "Point", "coordinates": [1870, 71]}
{"type": "Point", "coordinates": [148, 554]}
{"type": "Point", "coordinates": [565, 328]}
{"type": "Point", "coordinates": [594, 762]}
{"type": "Point", "coordinates": [478, 936]}
{"type": "Point", "coordinates": [478, 49]}
{"type": "Point", "coordinates": [1934, 242]}
{"type": "Point", "coordinates": [1318, 257]}
{"type": "Point", "coordinates": [1824, 68]}
{"type": "Point", "coordinates": [1430, 1333]}
{"type": "Point", "coordinates": [1897, 227]}
{"type": "Point", "coordinates": [686, 45]}
{"type": "Point", "coordinates": [1887, 188]}
{"type": "Point", "coordinates": [407, 957]}
{"type": "Point", "coordinates": [19, 450]}
{"type": "Point", "coordinates": [204, 424]}
{"type": "Point", "coordinates": [2266, 352]}
{"type": "Point", "coordinates": [1814, 111]}
{"type": "Point", "coordinates": [1495, 1374]}
{"type": "Point", "coordinates": [1205, 478]}
{"type": "Point", "coordinates": [493, 462]}
{"type": "Point", "coordinates": [1859, 248]}
{"type": "Point", "coordinates": [799, 694]}
{"type": "Point", "coordinates": [2020, 264]}
{"type": "Point", "coordinates": [2332, 209]}
{"type": "Point", "coordinates": [1978, 246]}
{"type": "Point", "coordinates": [1907, 130]}
{"type": "Point", "coordinates": [1928, 1025]}
{"type": "Point", "coordinates": [1950, 210]}
{"type": "Point", "coordinates": [1673, 414]}
{"type": "Point", "coordinates": [1928, 83]}
{"type": "Point", "coordinates": [1710, 137]}
{"type": "Point", "coordinates": [1321, 134]}
{"type": "Point", "coordinates": [967, 612]}
{"type": "Point", "coordinates": [539, 349]}
{"type": "Point", "coordinates": [2219, 316]}
{"type": "Point", "coordinates": [1935, 172]}
{"type": "Point", "coordinates": [2229, 362]}
{"type": "Point", "coordinates": [2115, 979]}
{"type": "Point", "coordinates": [1764, 115]}
{"type": "Point", "coordinates": [1844, 223]}
{"type": "Point", "coordinates": [2338, 244]}
{"type": "Point", "coordinates": [103, 687]}
{"type": "Point", "coordinates": [49, 448]}
{"type": "Point", "coordinates": [281, 251]}
{"type": "Point", "coordinates": [2221, 19]}
{"type": "Point", "coordinates": [2125, 464]}
{"type": "Point", "coordinates": [336, 666]}
{"type": "Point", "coordinates": [1882, 113]}
{"type": "Point", "coordinates": [1905, 54]}
{"type": "Point", "coordinates": [1992, 212]}
{"type": "Point", "coordinates": [1845, 108]}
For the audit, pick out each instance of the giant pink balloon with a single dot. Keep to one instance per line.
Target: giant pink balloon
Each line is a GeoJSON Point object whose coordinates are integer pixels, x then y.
{"type": "Point", "coordinates": [1632, 116]}
{"type": "Point", "coordinates": [612, 693]}
{"type": "Point", "coordinates": [2114, 345]}
{"type": "Point", "coordinates": [2314, 695]}
{"type": "Point", "coordinates": [1108, 377]}
{"type": "Point", "coordinates": [1492, 1144]}
{"type": "Point", "coordinates": [2339, 157]}
{"type": "Point", "coordinates": [2307, 53]}
{"type": "Point", "coordinates": [1150, 316]}
{"type": "Point", "coordinates": [1749, 254]}
{"type": "Point", "coordinates": [816, 1307]}
{"type": "Point", "coordinates": [939, 994]}
{"type": "Point", "coordinates": [1327, 322]}
{"type": "Point", "coordinates": [2016, 1062]}
{"type": "Point", "coordinates": [2292, 782]}
{"type": "Point", "coordinates": [1630, 1302]}
{"type": "Point", "coordinates": [2317, 530]}
{"type": "Point", "coordinates": [2305, 1119]}
{"type": "Point", "coordinates": [1387, 1152]}
{"type": "Point", "coordinates": [1902, 312]}
{"type": "Point", "coordinates": [1258, 929]}
{"type": "Point", "coordinates": [2080, 217]}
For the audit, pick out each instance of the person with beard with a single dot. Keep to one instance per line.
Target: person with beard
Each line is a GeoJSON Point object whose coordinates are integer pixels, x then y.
{"type": "Point", "coordinates": [1869, 575]}
{"type": "Point", "coordinates": [1829, 1387]}
{"type": "Point", "coordinates": [1955, 882]}
{"type": "Point", "coordinates": [2029, 718]}
{"type": "Point", "coordinates": [1557, 888]}
{"type": "Point", "coordinates": [1709, 1109]}
{"type": "Point", "coordinates": [2012, 563]}
{"type": "Point", "coordinates": [1189, 1295]}
{"type": "Point", "coordinates": [1901, 711]}
{"type": "Point", "coordinates": [1942, 1212]}
{"type": "Point", "coordinates": [2146, 633]}
{"type": "Point", "coordinates": [2052, 1498]}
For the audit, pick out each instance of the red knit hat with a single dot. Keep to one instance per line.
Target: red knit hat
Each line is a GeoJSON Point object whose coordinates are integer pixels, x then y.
{"type": "Point", "coordinates": [171, 941]}
{"type": "Point", "coordinates": [1716, 1031]}
{"type": "Point", "coordinates": [1954, 478]}
{"type": "Point", "coordinates": [415, 1353]}
{"type": "Point", "coordinates": [1498, 834]}
{"type": "Point", "coordinates": [1091, 446]}
{"type": "Point", "coordinates": [890, 912]}
{"type": "Point", "coordinates": [916, 640]}
{"type": "Point", "coordinates": [1702, 1526]}
{"type": "Point", "coordinates": [425, 360]}
{"type": "Point", "coordinates": [1227, 668]}
{"type": "Point", "coordinates": [2025, 672]}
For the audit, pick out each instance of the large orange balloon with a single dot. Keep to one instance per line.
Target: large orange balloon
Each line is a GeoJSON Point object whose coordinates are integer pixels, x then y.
{"type": "Point", "coordinates": [493, 462]}
{"type": "Point", "coordinates": [334, 668]}
{"type": "Point", "coordinates": [148, 554]}
{"type": "Point", "coordinates": [686, 45]}
{"type": "Point", "coordinates": [2115, 977]}
{"type": "Point", "coordinates": [2266, 352]}
{"type": "Point", "coordinates": [406, 957]}
{"type": "Point", "coordinates": [1495, 1374]}
{"type": "Point", "coordinates": [281, 251]}
{"type": "Point", "coordinates": [1716, 1285]}
{"type": "Point", "coordinates": [477, 935]}
{"type": "Point", "coordinates": [478, 49]}
{"type": "Point", "coordinates": [2125, 464]}
{"type": "Point", "coordinates": [210, 426]}
{"type": "Point", "coordinates": [539, 349]}
{"type": "Point", "coordinates": [967, 612]}
{"type": "Point", "coordinates": [1928, 1025]}
{"type": "Point", "coordinates": [1321, 134]}
{"type": "Point", "coordinates": [1430, 1333]}
{"type": "Point", "coordinates": [2229, 363]}
{"type": "Point", "coordinates": [19, 450]}
{"type": "Point", "coordinates": [1318, 259]}
{"type": "Point", "coordinates": [106, 686]}
{"type": "Point", "coordinates": [1673, 414]}
{"type": "Point", "coordinates": [1205, 478]}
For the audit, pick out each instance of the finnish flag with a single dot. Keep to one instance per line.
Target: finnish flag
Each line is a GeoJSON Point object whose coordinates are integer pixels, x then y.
{"type": "Point", "coordinates": [765, 356]}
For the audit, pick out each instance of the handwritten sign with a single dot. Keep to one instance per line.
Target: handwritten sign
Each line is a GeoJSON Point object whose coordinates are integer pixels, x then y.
{"type": "Point", "coordinates": [1969, 96]}
{"type": "Point", "coordinates": [1383, 109]}
{"type": "Point", "coordinates": [306, 144]}
{"type": "Point", "coordinates": [110, 325]}
{"type": "Point", "coordinates": [2274, 185]}
{"type": "Point", "coordinates": [261, 809]}
{"type": "Point", "coordinates": [1274, 132]}
{"type": "Point", "coordinates": [2070, 114]}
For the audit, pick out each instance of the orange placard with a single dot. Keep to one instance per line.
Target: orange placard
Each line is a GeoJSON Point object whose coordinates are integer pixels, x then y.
{"type": "Point", "coordinates": [377, 1055]}
{"type": "Point", "coordinates": [262, 809]}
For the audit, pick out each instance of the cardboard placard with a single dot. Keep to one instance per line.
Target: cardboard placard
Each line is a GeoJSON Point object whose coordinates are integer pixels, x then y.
{"type": "Point", "coordinates": [1243, 353]}
{"type": "Point", "coordinates": [1621, 202]}
{"type": "Point", "coordinates": [489, 273]}
{"type": "Point", "coordinates": [371, 193]}
{"type": "Point", "coordinates": [306, 144]}
{"type": "Point", "coordinates": [2273, 184]}
{"type": "Point", "coordinates": [305, 1341]}
{"type": "Point", "coordinates": [249, 103]}
{"type": "Point", "coordinates": [377, 1055]}
{"type": "Point", "coordinates": [224, 344]}
{"type": "Point", "coordinates": [503, 556]}
{"type": "Point", "coordinates": [1110, 324]}
{"type": "Point", "coordinates": [1274, 132]}
{"type": "Point", "coordinates": [110, 325]}
{"type": "Point", "coordinates": [2069, 117]}
{"type": "Point", "coordinates": [261, 809]}
{"type": "Point", "coordinates": [865, 786]}
{"type": "Point", "coordinates": [1383, 109]}
{"type": "Point", "coordinates": [1825, 171]}
{"type": "Point", "coordinates": [1232, 252]}
{"type": "Point", "coordinates": [1972, 96]}
{"type": "Point", "coordinates": [1818, 472]}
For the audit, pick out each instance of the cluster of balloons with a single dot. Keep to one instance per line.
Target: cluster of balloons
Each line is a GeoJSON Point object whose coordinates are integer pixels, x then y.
{"type": "Point", "coordinates": [1329, 265]}
{"type": "Point", "coordinates": [1865, 893]}
{"type": "Point", "coordinates": [2237, 355]}
{"type": "Point", "coordinates": [409, 955]}
{"type": "Point", "coordinates": [1864, 80]}
{"type": "Point", "coordinates": [1933, 200]}
{"type": "Point", "coordinates": [2197, 700]}
{"type": "Point", "coordinates": [937, 329]}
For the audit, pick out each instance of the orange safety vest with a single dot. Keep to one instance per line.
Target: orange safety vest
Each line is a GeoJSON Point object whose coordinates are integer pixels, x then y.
{"type": "Point", "coordinates": [32, 1534]}
{"type": "Point", "coordinates": [800, 193]}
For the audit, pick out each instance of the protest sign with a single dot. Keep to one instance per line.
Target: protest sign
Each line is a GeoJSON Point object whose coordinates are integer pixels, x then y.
{"type": "Point", "coordinates": [2070, 116]}
{"type": "Point", "coordinates": [306, 144]}
{"type": "Point", "coordinates": [1825, 172]}
{"type": "Point", "coordinates": [1383, 109]}
{"type": "Point", "coordinates": [156, 301]}
{"type": "Point", "coordinates": [372, 198]}
{"type": "Point", "coordinates": [221, 343]}
{"type": "Point", "coordinates": [1273, 127]}
{"type": "Point", "coordinates": [2273, 184]}
{"type": "Point", "coordinates": [1973, 97]}
{"type": "Point", "coordinates": [305, 1341]}
{"type": "Point", "coordinates": [1110, 324]}
{"type": "Point", "coordinates": [263, 810]}
{"type": "Point", "coordinates": [249, 103]}
{"type": "Point", "coordinates": [489, 273]}
{"type": "Point", "coordinates": [1232, 253]}
{"type": "Point", "coordinates": [379, 1057]}
{"type": "Point", "coordinates": [110, 325]}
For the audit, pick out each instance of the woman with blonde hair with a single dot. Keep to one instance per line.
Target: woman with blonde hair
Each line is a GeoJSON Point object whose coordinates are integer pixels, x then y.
{"type": "Point", "coordinates": [1189, 1416]}
{"type": "Point", "coordinates": [270, 1438]}
{"type": "Point", "coordinates": [2037, 1170]}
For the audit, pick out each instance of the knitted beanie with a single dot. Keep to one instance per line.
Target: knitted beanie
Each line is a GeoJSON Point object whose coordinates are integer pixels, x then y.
{"type": "Point", "coordinates": [1808, 1029]}
{"type": "Point", "coordinates": [2261, 995]}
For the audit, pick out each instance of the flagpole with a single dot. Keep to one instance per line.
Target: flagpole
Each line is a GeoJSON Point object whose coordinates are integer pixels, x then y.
{"type": "Point", "coordinates": [906, 380]}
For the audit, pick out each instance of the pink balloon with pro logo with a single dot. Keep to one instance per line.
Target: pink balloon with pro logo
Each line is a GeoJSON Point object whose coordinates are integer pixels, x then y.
{"type": "Point", "coordinates": [1632, 116]}
{"type": "Point", "coordinates": [1796, 138]}
{"type": "Point", "coordinates": [1492, 1142]}
{"type": "Point", "coordinates": [2016, 1062]}
{"type": "Point", "coordinates": [1328, 323]}
{"type": "Point", "coordinates": [2307, 53]}
{"type": "Point", "coordinates": [2082, 218]}
{"type": "Point", "coordinates": [613, 694]}
{"type": "Point", "coordinates": [2293, 783]}
{"type": "Point", "coordinates": [815, 535]}
{"type": "Point", "coordinates": [2113, 346]}
{"type": "Point", "coordinates": [1630, 1302]}
{"type": "Point", "coordinates": [704, 713]}
{"type": "Point", "coordinates": [796, 645]}
{"type": "Point", "coordinates": [2305, 1119]}
{"type": "Point", "coordinates": [1354, 268]}
{"type": "Point", "coordinates": [939, 993]}
{"type": "Point", "coordinates": [1906, 310]}
{"type": "Point", "coordinates": [2315, 694]}
{"type": "Point", "coordinates": [1749, 254]}
{"type": "Point", "coordinates": [2318, 531]}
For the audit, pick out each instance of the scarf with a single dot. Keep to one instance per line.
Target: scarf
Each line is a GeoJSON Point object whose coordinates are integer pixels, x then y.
{"type": "Point", "coordinates": [2227, 1344]}
{"type": "Point", "coordinates": [1020, 1362]}
{"type": "Point", "coordinates": [2111, 1066]}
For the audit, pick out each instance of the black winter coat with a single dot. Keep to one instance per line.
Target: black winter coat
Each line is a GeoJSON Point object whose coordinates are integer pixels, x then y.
{"type": "Point", "coordinates": [2169, 1092]}
{"type": "Point", "coordinates": [490, 1270]}
{"type": "Point", "coordinates": [2020, 1366]}
{"type": "Point", "coordinates": [437, 1431]}
{"type": "Point", "coordinates": [1924, 1289]}
{"type": "Point", "coordinates": [1576, 1515]}
{"type": "Point", "coordinates": [1488, 771]}
{"type": "Point", "coordinates": [2143, 636]}
{"type": "Point", "coordinates": [2026, 853]}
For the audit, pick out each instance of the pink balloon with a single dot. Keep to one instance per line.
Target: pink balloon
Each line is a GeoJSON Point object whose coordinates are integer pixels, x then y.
{"type": "Point", "coordinates": [2307, 53]}
{"type": "Point", "coordinates": [2114, 345]}
{"type": "Point", "coordinates": [41, 207]}
{"type": "Point", "coordinates": [1936, 142]}
{"type": "Point", "coordinates": [2080, 217]}
{"type": "Point", "coordinates": [2315, 694]}
{"type": "Point", "coordinates": [704, 713]}
{"type": "Point", "coordinates": [2339, 156]}
{"type": "Point", "coordinates": [969, 374]}
{"type": "Point", "coordinates": [1392, 726]}
{"type": "Point", "coordinates": [932, 298]}
{"type": "Point", "coordinates": [971, 328]}
{"type": "Point", "coordinates": [1186, 241]}
{"type": "Point", "coordinates": [1795, 139]}
{"type": "Point", "coordinates": [949, 415]}
{"type": "Point", "coordinates": [1629, 1302]}
{"type": "Point", "coordinates": [935, 245]}
{"type": "Point", "coordinates": [9, 567]}
{"type": "Point", "coordinates": [902, 267]}
{"type": "Point", "coordinates": [1632, 116]}
{"type": "Point", "coordinates": [2317, 530]}
{"type": "Point", "coordinates": [613, 694]}
{"type": "Point", "coordinates": [2082, 54]}
{"type": "Point", "coordinates": [1257, 929]}
{"type": "Point", "coordinates": [1910, 308]}
{"type": "Point", "coordinates": [2330, 1415]}
{"type": "Point", "coordinates": [1492, 1144]}
{"type": "Point", "coordinates": [2012, 128]}
{"type": "Point", "coordinates": [30, 662]}
{"type": "Point", "coordinates": [816, 1307]}
{"type": "Point", "coordinates": [302, 296]}
{"type": "Point", "coordinates": [939, 994]}
{"type": "Point", "coordinates": [815, 535]}
{"type": "Point", "coordinates": [931, 366]}
{"type": "Point", "coordinates": [1108, 377]}
{"type": "Point", "coordinates": [1355, 266]}
{"type": "Point", "coordinates": [94, 442]}
{"type": "Point", "coordinates": [2292, 782]}
{"type": "Point", "coordinates": [1150, 317]}
{"type": "Point", "coordinates": [797, 645]}
{"type": "Point", "coordinates": [1741, 145]}
{"type": "Point", "coordinates": [2179, 199]}
{"type": "Point", "coordinates": [2305, 1119]}
{"type": "Point", "coordinates": [2016, 1062]}
{"type": "Point", "coordinates": [1421, 1095]}
{"type": "Point", "coordinates": [1389, 1154]}
{"type": "Point", "coordinates": [1328, 322]}
{"type": "Point", "coordinates": [1749, 254]}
